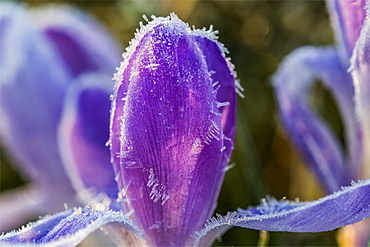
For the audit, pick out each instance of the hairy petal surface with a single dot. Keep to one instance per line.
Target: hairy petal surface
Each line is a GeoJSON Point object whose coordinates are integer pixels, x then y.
{"type": "Point", "coordinates": [167, 139]}
{"type": "Point", "coordinates": [309, 133]}
{"type": "Point", "coordinates": [67, 228]}
{"type": "Point", "coordinates": [83, 134]}
{"type": "Point", "coordinates": [347, 206]}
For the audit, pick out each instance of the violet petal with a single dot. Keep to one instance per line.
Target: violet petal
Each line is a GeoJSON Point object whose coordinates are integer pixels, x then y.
{"type": "Point", "coordinates": [167, 139]}
{"type": "Point", "coordinates": [347, 206]}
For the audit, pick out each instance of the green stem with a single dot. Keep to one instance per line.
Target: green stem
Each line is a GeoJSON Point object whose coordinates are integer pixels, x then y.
{"type": "Point", "coordinates": [264, 239]}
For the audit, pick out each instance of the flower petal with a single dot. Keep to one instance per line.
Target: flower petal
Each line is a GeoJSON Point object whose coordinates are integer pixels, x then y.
{"type": "Point", "coordinates": [360, 70]}
{"type": "Point", "coordinates": [312, 137]}
{"type": "Point", "coordinates": [350, 205]}
{"type": "Point", "coordinates": [82, 43]}
{"type": "Point", "coordinates": [83, 133]}
{"type": "Point", "coordinates": [167, 138]}
{"type": "Point", "coordinates": [67, 228]}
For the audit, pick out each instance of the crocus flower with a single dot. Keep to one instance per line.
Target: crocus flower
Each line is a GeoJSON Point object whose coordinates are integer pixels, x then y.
{"type": "Point", "coordinates": [43, 54]}
{"type": "Point", "coordinates": [172, 129]}
{"type": "Point", "coordinates": [344, 70]}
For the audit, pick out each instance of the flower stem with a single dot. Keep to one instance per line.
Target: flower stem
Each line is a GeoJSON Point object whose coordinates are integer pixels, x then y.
{"type": "Point", "coordinates": [264, 239]}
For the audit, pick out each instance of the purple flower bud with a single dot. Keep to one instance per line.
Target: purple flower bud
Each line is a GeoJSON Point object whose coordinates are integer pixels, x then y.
{"type": "Point", "coordinates": [172, 128]}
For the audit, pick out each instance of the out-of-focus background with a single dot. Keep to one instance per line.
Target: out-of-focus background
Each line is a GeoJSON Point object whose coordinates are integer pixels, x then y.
{"type": "Point", "coordinates": [258, 34]}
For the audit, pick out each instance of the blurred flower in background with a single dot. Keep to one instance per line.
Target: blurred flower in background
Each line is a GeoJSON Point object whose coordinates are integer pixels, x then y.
{"type": "Point", "coordinates": [258, 35]}
{"type": "Point", "coordinates": [344, 70]}
{"type": "Point", "coordinates": [44, 54]}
